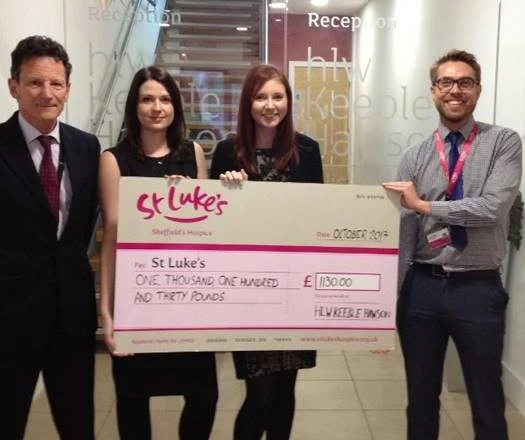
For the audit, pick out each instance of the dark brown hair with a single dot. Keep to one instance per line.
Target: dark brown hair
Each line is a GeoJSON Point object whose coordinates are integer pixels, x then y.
{"type": "Point", "coordinates": [176, 130]}
{"type": "Point", "coordinates": [456, 55]}
{"type": "Point", "coordinates": [284, 140]}
{"type": "Point", "coordinates": [38, 46]}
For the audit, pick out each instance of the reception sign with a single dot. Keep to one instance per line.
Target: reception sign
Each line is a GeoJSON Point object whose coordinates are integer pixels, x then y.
{"type": "Point", "coordinates": [206, 266]}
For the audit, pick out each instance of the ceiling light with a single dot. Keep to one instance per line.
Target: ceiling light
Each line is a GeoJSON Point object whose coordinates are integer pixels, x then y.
{"type": "Point", "coordinates": [276, 4]}
{"type": "Point", "coordinates": [319, 2]}
{"type": "Point", "coordinates": [241, 28]}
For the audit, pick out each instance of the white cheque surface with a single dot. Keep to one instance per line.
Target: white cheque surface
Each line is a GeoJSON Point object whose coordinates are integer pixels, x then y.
{"type": "Point", "coordinates": [204, 266]}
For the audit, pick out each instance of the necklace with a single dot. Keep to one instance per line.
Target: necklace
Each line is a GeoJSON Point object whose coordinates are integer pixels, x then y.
{"type": "Point", "coordinates": [157, 160]}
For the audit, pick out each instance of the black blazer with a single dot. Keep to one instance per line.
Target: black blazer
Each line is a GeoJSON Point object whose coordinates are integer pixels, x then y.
{"type": "Point", "coordinates": [309, 169]}
{"type": "Point", "coordinates": [45, 284]}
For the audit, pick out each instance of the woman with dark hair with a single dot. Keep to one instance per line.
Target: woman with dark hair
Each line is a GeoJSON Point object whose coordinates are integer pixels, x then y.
{"type": "Point", "coordinates": [153, 146]}
{"type": "Point", "coordinates": [267, 148]}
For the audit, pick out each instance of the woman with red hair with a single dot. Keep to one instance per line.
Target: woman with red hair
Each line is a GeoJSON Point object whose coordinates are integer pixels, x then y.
{"type": "Point", "coordinates": [267, 148]}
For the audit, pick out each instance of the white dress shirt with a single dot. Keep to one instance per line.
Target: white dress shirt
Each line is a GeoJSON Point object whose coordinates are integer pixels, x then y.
{"type": "Point", "coordinates": [36, 150]}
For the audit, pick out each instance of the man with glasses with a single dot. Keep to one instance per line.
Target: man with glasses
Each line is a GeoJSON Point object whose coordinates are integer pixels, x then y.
{"type": "Point", "coordinates": [457, 188]}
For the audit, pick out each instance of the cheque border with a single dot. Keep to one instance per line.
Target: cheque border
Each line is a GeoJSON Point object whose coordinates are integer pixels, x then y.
{"type": "Point", "coordinates": [257, 248]}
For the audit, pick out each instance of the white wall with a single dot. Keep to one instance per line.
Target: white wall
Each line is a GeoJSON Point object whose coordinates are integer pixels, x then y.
{"type": "Point", "coordinates": [510, 112]}
{"type": "Point", "coordinates": [91, 34]}
{"type": "Point", "coordinates": [396, 87]}
{"type": "Point", "coordinates": [18, 20]}
{"type": "Point", "coordinates": [88, 33]}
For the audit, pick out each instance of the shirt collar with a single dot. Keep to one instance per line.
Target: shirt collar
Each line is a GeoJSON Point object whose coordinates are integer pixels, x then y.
{"type": "Point", "coordinates": [465, 130]}
{"type": "Point", "coordinates": [31, 133]}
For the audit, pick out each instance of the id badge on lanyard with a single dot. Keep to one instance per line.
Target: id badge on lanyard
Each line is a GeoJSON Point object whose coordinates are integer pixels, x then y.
{"type": "Point", "coordinates": [441, 237]}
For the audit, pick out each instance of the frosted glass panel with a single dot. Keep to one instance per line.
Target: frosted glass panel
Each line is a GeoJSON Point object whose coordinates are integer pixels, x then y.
{"type": "Point", "coordinates": [382, 50]}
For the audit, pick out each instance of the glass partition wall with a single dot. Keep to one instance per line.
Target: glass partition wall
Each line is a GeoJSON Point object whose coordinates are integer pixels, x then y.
{"type": "Point", "coordinates": [359, 71]}
{"type": "Point", "coordinates": [358, 68]}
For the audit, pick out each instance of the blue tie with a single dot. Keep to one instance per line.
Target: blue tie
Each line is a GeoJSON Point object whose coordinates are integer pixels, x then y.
{"type": "Point", "coordinates": [458, 234]}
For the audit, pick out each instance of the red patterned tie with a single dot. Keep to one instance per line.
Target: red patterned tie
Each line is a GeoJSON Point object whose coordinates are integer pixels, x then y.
{"type": "Point", "coordinates": [49, 176]}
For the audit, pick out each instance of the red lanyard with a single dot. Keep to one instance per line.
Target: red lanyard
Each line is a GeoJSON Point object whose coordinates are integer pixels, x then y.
{"type": "Point", "coordinates": [440, 147]}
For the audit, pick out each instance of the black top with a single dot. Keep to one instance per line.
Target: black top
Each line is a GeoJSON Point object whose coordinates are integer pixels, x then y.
{"type": "Point", "coordinates": [155, 374]}
{"type": "Point", "coordinates": [251, 364]}
{"type": "Point", "coordinates": [308, 170]}
{"type": "Point", "coordinates": [180, 162]}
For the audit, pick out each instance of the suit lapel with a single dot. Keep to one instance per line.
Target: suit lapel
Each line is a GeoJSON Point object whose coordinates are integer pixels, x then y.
{"type": "Point", "coordinates": [72, 159]}
{"type": "Point", "coordinates": [73, 162]}
{"type": "Point", "coordinates": [14, 151]}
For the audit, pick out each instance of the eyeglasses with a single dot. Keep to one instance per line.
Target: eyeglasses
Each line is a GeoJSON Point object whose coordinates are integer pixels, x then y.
{"type": "Point", "coordinates": [464, 84]}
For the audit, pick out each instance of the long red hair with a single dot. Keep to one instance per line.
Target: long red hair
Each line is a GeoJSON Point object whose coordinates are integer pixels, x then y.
{"type": "Point", "coordinates": [284, 141]}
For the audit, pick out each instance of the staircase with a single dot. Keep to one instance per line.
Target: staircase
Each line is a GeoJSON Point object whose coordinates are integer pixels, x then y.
{"type": "Point", "coordinates": [208, 50]}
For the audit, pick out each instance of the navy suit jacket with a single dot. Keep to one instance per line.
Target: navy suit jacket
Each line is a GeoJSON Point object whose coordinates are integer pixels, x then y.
{"type": "Point", "coordinates": [46, 284]}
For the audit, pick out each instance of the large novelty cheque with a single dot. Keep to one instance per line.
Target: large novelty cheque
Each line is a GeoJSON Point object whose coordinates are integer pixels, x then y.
{"type": "Point", "coordinates": [263, 266]}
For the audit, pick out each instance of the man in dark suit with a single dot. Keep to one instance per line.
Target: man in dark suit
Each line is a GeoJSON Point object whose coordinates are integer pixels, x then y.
{"type": "Point", "coordinates": [48, 199]}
